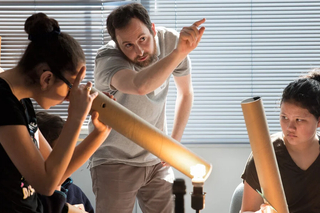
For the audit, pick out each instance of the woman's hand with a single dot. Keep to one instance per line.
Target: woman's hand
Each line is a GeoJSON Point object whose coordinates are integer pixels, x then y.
{"type": "Point", "coordinates": [74, 209]}
{"type": "Point", "coordinates": [264, 208]}
{"type": "Point", "coordinates": [98, 125]}
{"type": "Point", "coordinates": [80, 98]}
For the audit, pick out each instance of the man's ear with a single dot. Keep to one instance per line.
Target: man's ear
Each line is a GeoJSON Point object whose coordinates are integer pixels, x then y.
{"type": "Point", "coordinates": [318, 122]}
{"type": "Point", "coordinates": [153, 27]}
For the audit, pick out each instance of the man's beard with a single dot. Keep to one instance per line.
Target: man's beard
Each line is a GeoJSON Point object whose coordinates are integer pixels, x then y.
{"type": "Point", "coordinates": [151, 57]}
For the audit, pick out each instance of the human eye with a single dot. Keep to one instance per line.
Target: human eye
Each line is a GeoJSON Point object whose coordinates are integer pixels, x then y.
{"type": "Point", "coordinates": [283, 117]}
{"type": "Point", "coordinates": [142, 38]}
{"type": "Point", "coordinates": [128, 45]}
{"type": "Point", "coordinates": [299, 120]}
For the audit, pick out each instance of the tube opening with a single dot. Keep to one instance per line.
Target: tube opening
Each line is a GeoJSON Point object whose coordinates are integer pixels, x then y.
{"type": "Point", "coordinates": [250, 100]}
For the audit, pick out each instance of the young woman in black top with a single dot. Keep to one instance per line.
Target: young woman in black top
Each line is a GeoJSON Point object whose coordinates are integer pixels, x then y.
{"type": "Point", "coordinates": [50, 71]}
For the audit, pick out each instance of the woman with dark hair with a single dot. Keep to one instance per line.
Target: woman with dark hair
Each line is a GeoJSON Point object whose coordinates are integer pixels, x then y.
{"type": "Point", "coordinates": [50, 71]}
{"type": "Point", "coordinates": [297, 151]}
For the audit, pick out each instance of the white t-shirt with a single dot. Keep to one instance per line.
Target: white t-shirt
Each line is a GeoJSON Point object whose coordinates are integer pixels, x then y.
{"type": "Point", "coordinates": [150, 107]}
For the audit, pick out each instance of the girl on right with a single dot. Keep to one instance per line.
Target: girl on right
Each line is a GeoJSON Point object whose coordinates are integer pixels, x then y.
{"type": "Point", "coordinates": [297, 151]}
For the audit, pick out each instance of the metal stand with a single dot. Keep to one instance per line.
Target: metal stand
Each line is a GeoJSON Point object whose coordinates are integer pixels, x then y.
{"type": "Point", "coordinates": [197, 196]}
{"type": "Point", "coordinates": [179, 190]}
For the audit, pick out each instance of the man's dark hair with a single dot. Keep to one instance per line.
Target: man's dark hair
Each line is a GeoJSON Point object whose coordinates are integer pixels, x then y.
{"type": "Point", "coordinates": [121, 17]}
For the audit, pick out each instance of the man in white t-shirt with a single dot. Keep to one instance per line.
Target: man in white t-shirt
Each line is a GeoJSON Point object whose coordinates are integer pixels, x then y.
{"type": "Point", "coordinates": [136, 67]}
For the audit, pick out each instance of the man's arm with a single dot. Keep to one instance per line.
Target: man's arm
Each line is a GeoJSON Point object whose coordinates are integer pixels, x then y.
{"type": "Point", "coordinates": [152, 77]}
{"type": "Point", "coordinates": [183, 105]}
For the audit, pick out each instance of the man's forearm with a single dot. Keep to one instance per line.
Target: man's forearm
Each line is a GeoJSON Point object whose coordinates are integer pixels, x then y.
{"type": "Point", "coordinates": [182, 113]}
{"type": "Point", "coordinates": [152, 77]}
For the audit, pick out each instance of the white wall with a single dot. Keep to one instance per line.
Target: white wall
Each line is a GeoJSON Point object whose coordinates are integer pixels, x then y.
{"type": "Point", "coordinates": [227, 161]}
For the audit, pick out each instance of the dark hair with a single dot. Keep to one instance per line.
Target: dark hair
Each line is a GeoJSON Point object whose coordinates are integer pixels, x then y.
{"type": "Point", "coordinates": [305, 92]}
{"type": "Point", "coordinates": [48, 45]}
{"type": "Point", "coordinates": [50, 126]}
{"type": "Point", "coordinates": [121, 17]}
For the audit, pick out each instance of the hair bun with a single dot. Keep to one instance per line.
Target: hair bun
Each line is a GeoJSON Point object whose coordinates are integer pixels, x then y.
{"type": "Point", "coordinates": [40, 24]}
{"type": "Point", "coordinates": [314, 74]}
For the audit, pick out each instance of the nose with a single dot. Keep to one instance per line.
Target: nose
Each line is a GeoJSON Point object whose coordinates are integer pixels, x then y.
{"type": "Point", "coordinates": [139, 50]}
{"type": "Point", "coordinates": [291, 125]}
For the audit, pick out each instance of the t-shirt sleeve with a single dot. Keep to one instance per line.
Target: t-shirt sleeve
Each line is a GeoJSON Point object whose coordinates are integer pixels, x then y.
{"type": "Point", "coordinates": [10, 111]}
{"type": "Point", "coordinates": [184, 68]}
{"type": "Point", "coordinates": [171, 38]}
{"type": "Point", "coordinates": [105, 67]}
{"type": "Point", "coordinates": [250, 174]}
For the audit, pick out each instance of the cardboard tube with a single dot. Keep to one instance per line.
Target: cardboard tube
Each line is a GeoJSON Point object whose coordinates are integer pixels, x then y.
{"type": "Point", "coordinates": [263, 153]}
{"type": "Point", "coordinates": [147, 136]}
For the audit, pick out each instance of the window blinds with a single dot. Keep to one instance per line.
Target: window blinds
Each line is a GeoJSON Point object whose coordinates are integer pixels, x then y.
{"type": "Point", "coordinates": [249, 48]}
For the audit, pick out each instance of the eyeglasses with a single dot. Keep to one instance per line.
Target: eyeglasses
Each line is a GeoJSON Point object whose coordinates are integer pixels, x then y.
{"type": "Point", "coordinates": [65, 81]}
{"type": "Point", "coordinates": [61, 77]}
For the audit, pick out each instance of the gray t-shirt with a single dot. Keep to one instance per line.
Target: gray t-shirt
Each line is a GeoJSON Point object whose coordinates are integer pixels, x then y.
{"type": "Point", "coordinates": [151, 107]}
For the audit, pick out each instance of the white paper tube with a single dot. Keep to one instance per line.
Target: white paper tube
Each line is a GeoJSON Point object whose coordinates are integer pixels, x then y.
{"type": "Point", "coordinates": [147, 136]}
{"type": "Point", "coordinates": [263, 153]}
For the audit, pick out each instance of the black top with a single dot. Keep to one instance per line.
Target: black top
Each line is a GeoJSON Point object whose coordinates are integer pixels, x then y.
{"type": "Point", "coordinates": [16, 195]}
{"type": "Point", "coordinates": [301, 187]}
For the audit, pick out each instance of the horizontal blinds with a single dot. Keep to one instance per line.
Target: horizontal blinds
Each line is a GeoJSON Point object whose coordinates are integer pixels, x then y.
{"type": "Point", "coordinates": [249, 48]}
{"type": "Point", "coordinates": [82, 19]}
